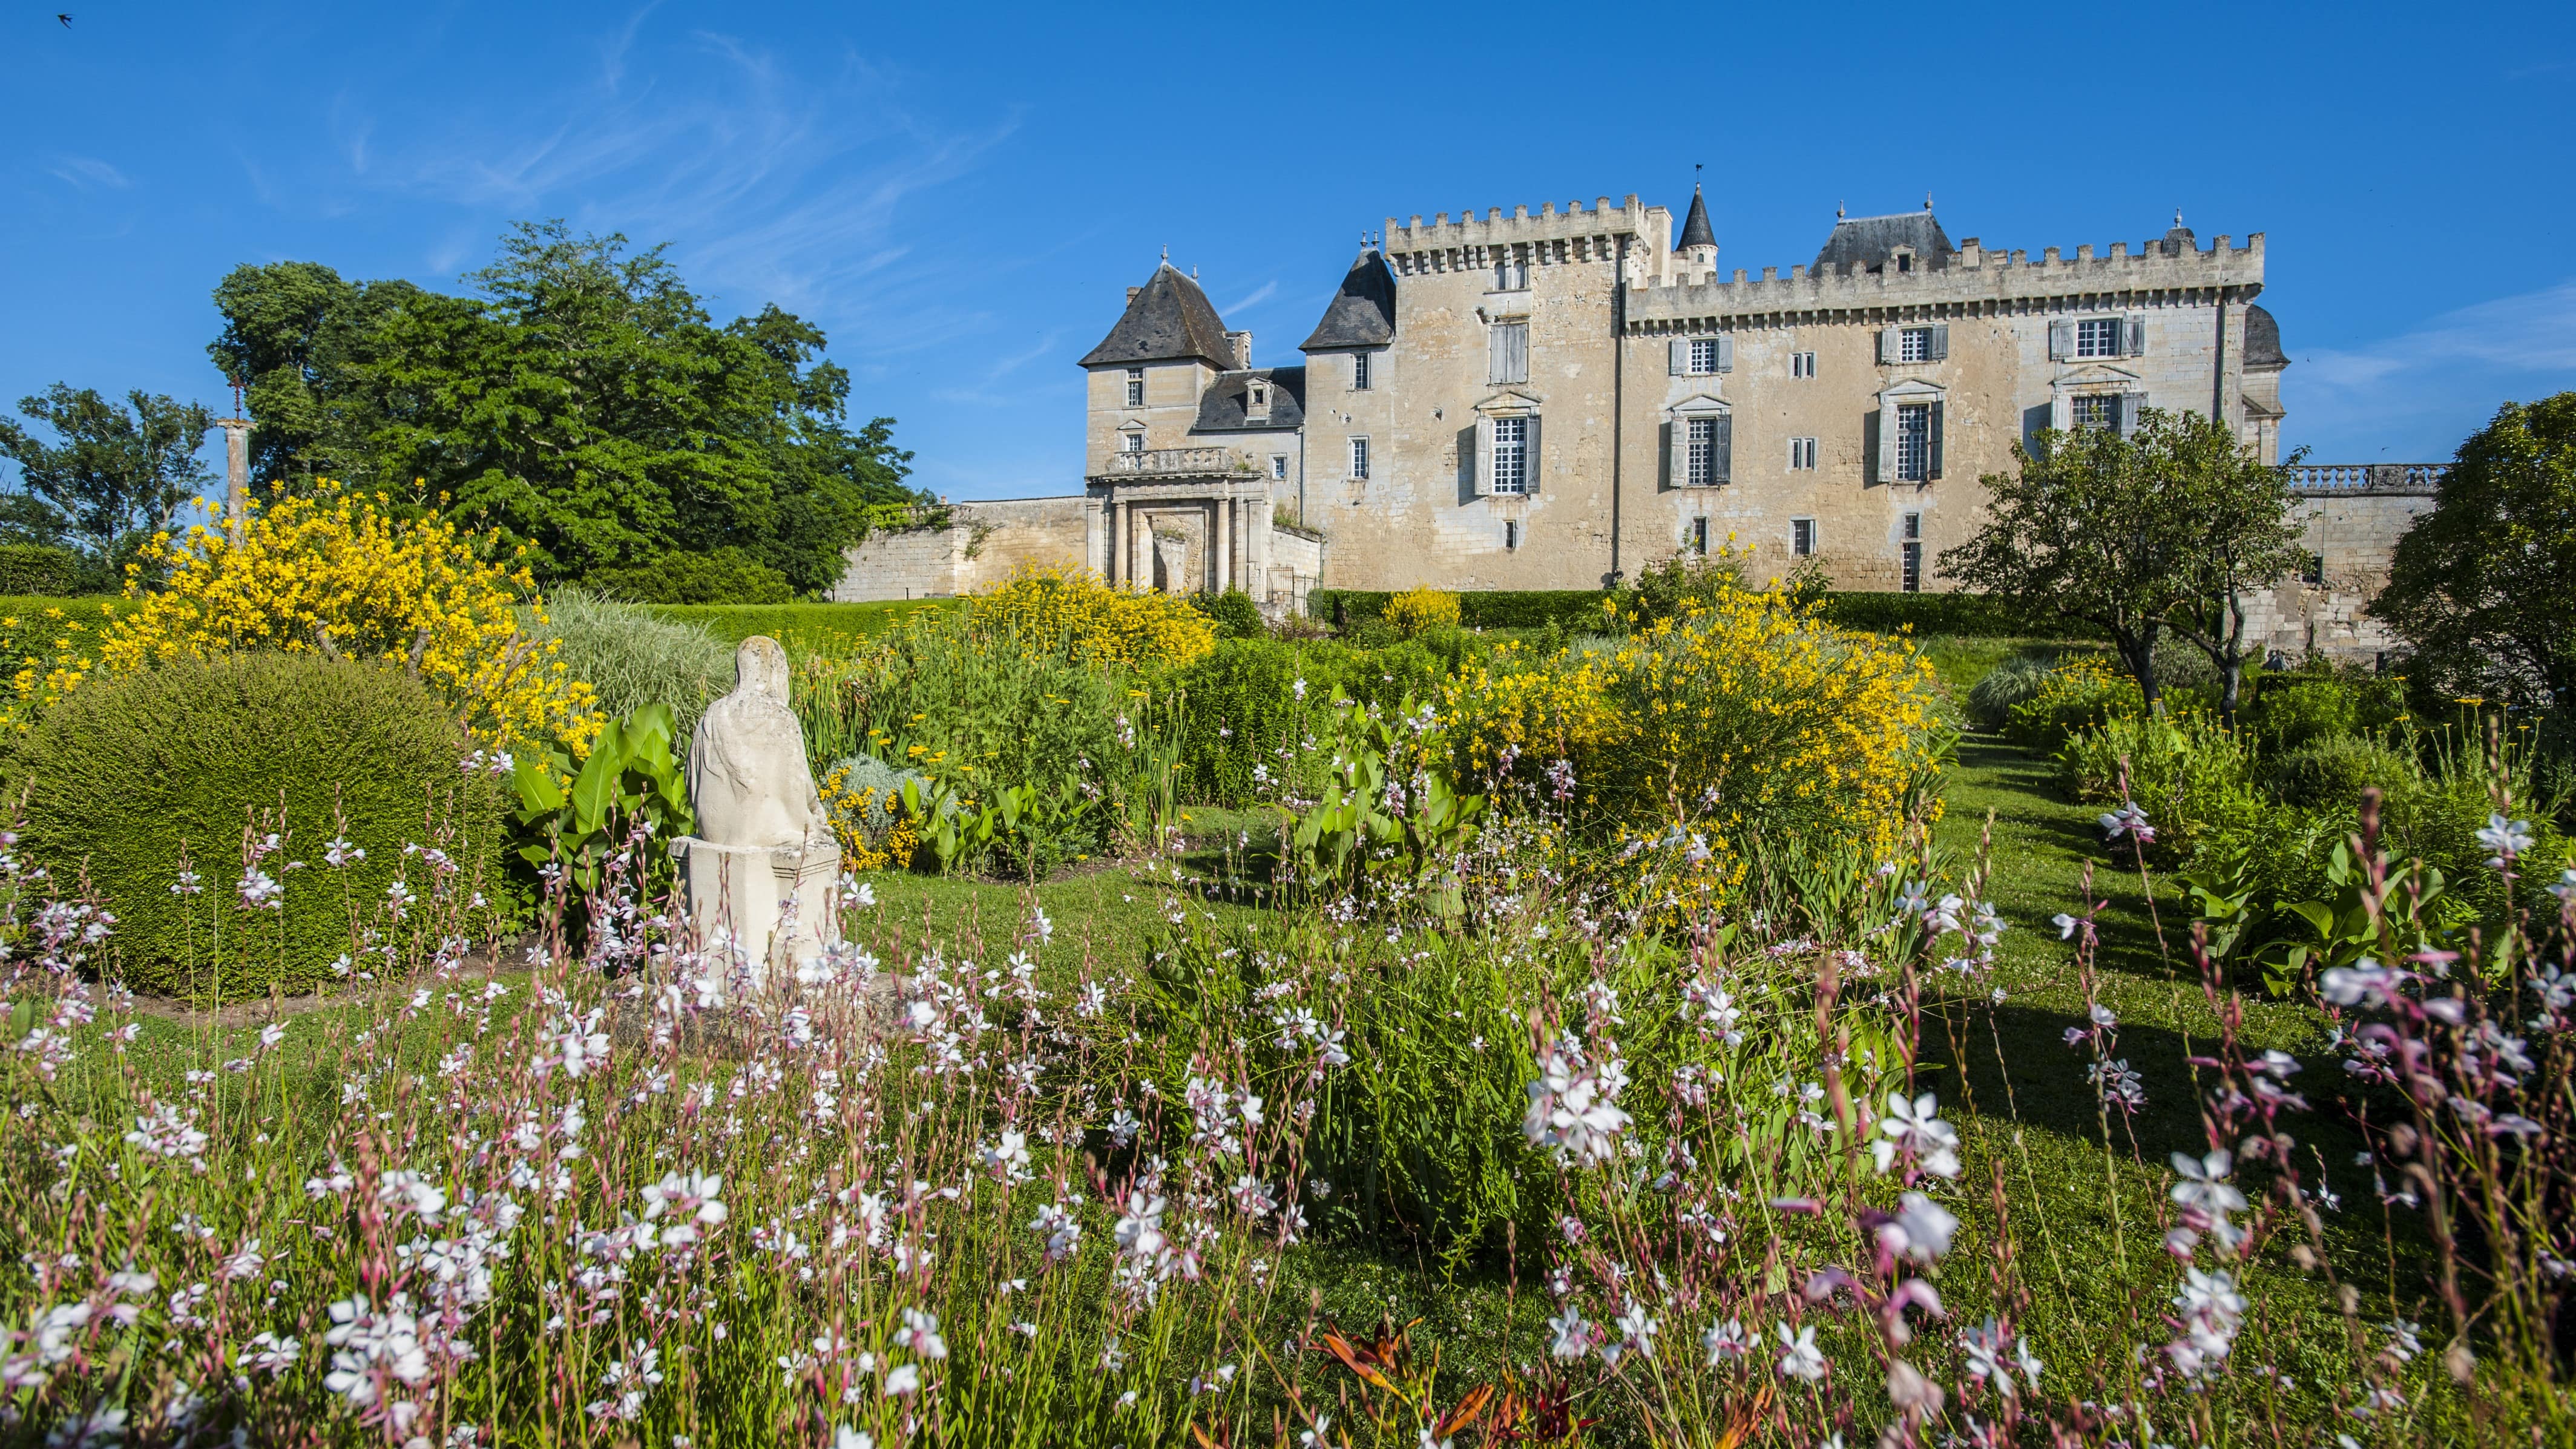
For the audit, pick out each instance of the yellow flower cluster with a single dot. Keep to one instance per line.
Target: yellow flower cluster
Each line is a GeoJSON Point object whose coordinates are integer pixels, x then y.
{"type": "Point", "coordinates": [1416, 610]}
{"type": "Point", "coordinates": [1743, 716]}
{"type": "Point", "coordinates": [339, 575]}
{"type": "Point", "coordinates": [1095, 620]}
{"type": "Point", "coordinates": [861, 847]}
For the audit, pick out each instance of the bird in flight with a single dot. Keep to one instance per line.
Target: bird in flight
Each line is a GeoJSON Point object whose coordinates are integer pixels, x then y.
{"type": "Point", "coordinates": [65, 19]}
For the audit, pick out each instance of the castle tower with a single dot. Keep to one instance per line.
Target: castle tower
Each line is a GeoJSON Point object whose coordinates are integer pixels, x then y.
{"type": "Point", "coordinates": [1698, 244]}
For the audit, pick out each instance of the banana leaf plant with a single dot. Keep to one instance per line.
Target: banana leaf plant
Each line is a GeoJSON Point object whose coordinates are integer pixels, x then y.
{"type": "Point", "coordinates": [581, 817]}
{"type": "Point", "coordinates": [1359, 818]}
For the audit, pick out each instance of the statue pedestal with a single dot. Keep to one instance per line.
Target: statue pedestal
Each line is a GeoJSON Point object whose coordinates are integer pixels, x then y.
{"type": "Point", "coordinates": [745, 888]}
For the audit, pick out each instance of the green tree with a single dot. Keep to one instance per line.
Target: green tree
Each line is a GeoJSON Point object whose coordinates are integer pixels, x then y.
{"type": "Point", "coordinates": [114, 474]}
{"type": "Point", "coordinates": [2082, 531]}
{"type": "Point", "coordinates": [2480, 584]}
{"type": "Point", "coordinates": [584, 405]}
{"type": "Point", "coordinates": [2246, 535]}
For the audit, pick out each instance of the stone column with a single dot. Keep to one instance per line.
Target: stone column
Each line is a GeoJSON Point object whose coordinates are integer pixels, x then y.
{"type": "Point", "coordinates": [236, 472]}
{"type": "Point", "coordinates": [1256, 531]}
{"type": "Point", "coordinates": [1093, 539]}
{"type": "Point", "coordinates": [1117, 539]}
{"type": "Point", "coordinates": [1225, 551]}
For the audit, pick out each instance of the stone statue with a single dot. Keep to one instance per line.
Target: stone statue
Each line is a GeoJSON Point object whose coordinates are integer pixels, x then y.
{"type": "Point", "coordinates": [764, 844]}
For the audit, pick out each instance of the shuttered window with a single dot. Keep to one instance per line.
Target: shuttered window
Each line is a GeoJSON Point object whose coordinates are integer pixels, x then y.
{"type": "Point", "coordinates": [1509, 342]}
{"type": "Point", "coordinates": [1701, 356]}
{"type": "Point", "coordinates": [1511, 455]}
{"type": "Point", "coordinates": [2098, 337]}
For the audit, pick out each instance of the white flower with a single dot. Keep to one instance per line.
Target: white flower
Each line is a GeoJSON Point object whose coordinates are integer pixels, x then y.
{"type": "Point", "coordinates": [1008, 1160]}
{"type": "Point", "coordinates": [1984, 1347]}
{"type": "Point", "coordinates": [1799, 1356]}
{"type": "Point", "coordinates": [2065, 926]}
{"type": "Point", "coordinates": [1575, 1110]}
{"type": "Point", "coordinates": [902, 1379]}
{"type": "Point", "coordinates": [2131, 821]}
{"type": "Point", "coordinates": [690, 1198]}
{"type": "Point", "coordinates": [2203, 1184]}
{"type": "Point", "coordinates": [1915, 1128]}
{"type": "Point", "coordinates": [1921, 1231]}
{"type": "Point", "coordinates": [845, 1437]}
{"type": "Point", "coordinates": [2506, 838]}
{"type": "Point", "coordinates": [920, 1334]}
{"type": "Point", "coordinates": [1573, 1336]}
{"type": "Point", "coordinates": [1725, 1341]}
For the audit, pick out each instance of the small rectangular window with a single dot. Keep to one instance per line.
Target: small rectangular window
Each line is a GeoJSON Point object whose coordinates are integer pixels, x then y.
{"type": "Point", "coordinates": [1511, 455]}
{"type": "Point", "coordinates": [1703, 355]}
{"type": "Point", "coordinates": [1359, 372]}
{"type": "Point", "coordinates": [2097, 337]}
{"type": "Point", "coordinates": [1511, 274]}
{"type": "Point", "coordinates": [1511, 533]}
{"type": "Point", "coordinates": [1509, 343]}
{"type": "Point", "coordinates": [2095, 410]}
{"type": "Point", "coordinates": [1699, 535]}
{"type": "Point", "coordinates": [1278, 467]}
{"type": "Point", "coordinates": [1802, 364]}
{"type": "Point", "coordinates": [1802, 454]}
{"type": "Point", "coordinates": [1135, 387]}
{"type": "Point", "coordinates": [1359, 457]}
{"type": "Point", "coordinates": [1702, 471]}
{"type": "Point", "coordinates": [1914, 442]}
{"type": "Point", "coordinates": [1131, 442]}
{"type": "Point", "coordinates": [1802, 537]}
{"type": "Point", "coordinates": [1914, 525]}
{"type": "Point", "coordinates": [1914, 345]}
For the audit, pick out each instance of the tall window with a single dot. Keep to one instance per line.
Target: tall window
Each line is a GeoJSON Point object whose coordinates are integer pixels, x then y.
{"type": "Point", "coordinates": [1279, 467]}
{"type": "Point", "coordinates": [1359, 458]}
{"type": "Point", "coordinates": [1703, 355]}
{"type": "Point", "coordinates": [1802, 454]}
{"type": "Point", "coordinates": [1911, 558]}
{"type": "Point", "coordinates": [1359, 372]}
{"type": "Point", "coordinates": [1131, 442]}
{"type": "Point", "coordinates": [1135, 387]}
{"type": "Point", "coordinates": [1699, 535]}
{"type": "Point", "coordinates": [2097, 337]}
{"type": "Point", "coordinates": [1511, 455]}
{"type": "Point", "coordinates": [1509, 346]}
{"type": "Point", "coordinates": [1914, 441]}
{"type": "Point", "coordinates": [1511, 533]}
{"type": "Point", "coordinates": [1702, 472]}
{"type": "Point", "coordinates": [2095, 410]}
{"type": "Point", "coordinates": [1802, 537]}
{"type": "Point", "coordinates": [1802, 364]}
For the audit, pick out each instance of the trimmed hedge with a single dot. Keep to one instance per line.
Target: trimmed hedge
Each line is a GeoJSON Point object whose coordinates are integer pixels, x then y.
{"type": "Point", "coordinates": [803, 628]}
{"type": "Point", "coordinates": [127, 771]}
{"type": "Point", "coordinates": [36, 568]}
{"type": "Point", "coordinates": [1974, 615]}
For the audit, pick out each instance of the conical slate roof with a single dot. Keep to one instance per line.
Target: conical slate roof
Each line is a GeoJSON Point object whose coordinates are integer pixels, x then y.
{"type": "Point", "coordinates": [1168, 320]}
{"type": "Point", "coordinates": [2263, 340]}
{"type": "Point", "coordinates": [1695, 228]}
{"type": "Point", "coordinates": [1362, 313]}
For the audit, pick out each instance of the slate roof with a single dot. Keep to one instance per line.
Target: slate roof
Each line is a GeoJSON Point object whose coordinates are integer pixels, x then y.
{"type": "Point", "coordinates": [1221, 408]}
{"type": "Point", "coordinates": [1695, 227]}
{"type": "Point", "coordinates": [1169, 320]}
{"type": "Point", "coordinates": [2262, 340]}
{"type": "Point", "coordinates": [1362, 312]}
{"type": "Point", "coordinates": [1870, 240]}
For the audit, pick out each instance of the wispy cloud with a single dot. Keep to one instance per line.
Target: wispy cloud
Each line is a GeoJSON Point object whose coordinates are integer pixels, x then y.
{"type": "Point", "coordinates": [2413, 397]}
{"type": "Point", "coordinates": [88, 173]}
{"type": "Point", "coordinates": [773, 180]}
{"type": "Point", "coordinates": [1260, 294]}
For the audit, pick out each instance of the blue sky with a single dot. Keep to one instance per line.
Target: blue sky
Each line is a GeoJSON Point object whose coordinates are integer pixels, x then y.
{"type": "Point", "coordinates": [960, 195]}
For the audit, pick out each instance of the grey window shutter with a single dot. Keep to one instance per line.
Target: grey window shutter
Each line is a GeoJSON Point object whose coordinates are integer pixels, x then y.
{"type": "Point", "coordinates": [2061, 341]}
{"type": "Point", "coordinates": [1484, 459]}
{"type": "Point", "coordinates": [1933, 462]}
{"type": "Point", "coordinates": [1940, 341]}
{"type": "Point", "coordinates": [1680, 353]}
{"type": "Point", "coordinates": [1887, 346]}
{"type": "Point", "coordinates": [1530, 469]}
{"type": "Point", "coordinates": [1721, 448]}
{"type": "Point", "coordinates": [1886, 440]}
{"type": "Point", "coordinates": [1495, 353]}
{"type": "Point", "coordinates": [1677, 453]}
{"type": "Point", "coordinates": [2133, 409]}
{"type": "Point", "coordinates": [2060, 413]}
{"type": "Point", "coordinates": [1725, 352]}
{"type": "Point", "coordinates": [2137, 337]}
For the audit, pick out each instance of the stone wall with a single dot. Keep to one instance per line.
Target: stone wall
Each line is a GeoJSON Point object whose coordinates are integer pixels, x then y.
{"type": "Point", "coordinates": [983, 544]}
{"type": "Point", "coordinates": [2353, 534]}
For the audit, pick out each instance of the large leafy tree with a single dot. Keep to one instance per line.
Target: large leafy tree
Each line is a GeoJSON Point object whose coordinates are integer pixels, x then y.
{"type": "Point", "coordinates": [112, 475]}
{"type": "Point", "coordinates": [2133, 534]}
{"type": "Point", "coordinates": [2483, 585]}
{"type": "Point", "coordinates": [583, 404]}
{"type": "Point", "coordinates": [2247, 530]}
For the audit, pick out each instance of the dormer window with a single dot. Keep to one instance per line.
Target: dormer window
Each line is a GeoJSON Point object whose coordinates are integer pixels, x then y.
{"type": "Point", "coordinates": [1260, 397]}
{"type": "Point", "coordinates": [1256, 403]}
{"type": "Point", "coordinates": [1904, 260]}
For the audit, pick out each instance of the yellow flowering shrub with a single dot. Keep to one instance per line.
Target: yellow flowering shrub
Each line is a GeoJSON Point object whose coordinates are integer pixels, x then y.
{"type": "Point", "coordinates": [1097, 621]}
{"type": "Point", "coordinates": [337, 574]}
{"type": "Point", "coordinates": [1416, 610]}
{"type": "Point", "coordinates": [1742, 715]}
{"type": "Point", "coordinates": [851, 807]}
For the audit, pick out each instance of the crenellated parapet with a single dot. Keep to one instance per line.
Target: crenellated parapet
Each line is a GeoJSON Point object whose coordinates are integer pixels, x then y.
{"type": "Point", "coordinates": [1970, 281]}
{"type": "Point", "coordinates": [1550, 236]}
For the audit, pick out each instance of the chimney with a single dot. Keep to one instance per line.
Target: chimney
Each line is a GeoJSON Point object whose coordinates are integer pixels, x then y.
{"type": "Point", "coordinates": [1131, 293]}
{"type": "Point", "coordinates": [1242, 348]}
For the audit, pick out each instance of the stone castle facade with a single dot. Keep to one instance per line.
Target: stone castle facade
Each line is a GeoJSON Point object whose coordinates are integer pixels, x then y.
{"type": "Point", "coordinates": [1556, 400]}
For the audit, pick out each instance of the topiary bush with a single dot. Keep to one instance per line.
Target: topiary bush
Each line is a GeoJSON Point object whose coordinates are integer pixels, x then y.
{"type": "Point", "coordinates": [132, 778]}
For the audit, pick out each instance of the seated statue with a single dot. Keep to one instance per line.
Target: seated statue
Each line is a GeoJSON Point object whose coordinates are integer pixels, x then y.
{"type": "Point", "coordinates": [763, 841]}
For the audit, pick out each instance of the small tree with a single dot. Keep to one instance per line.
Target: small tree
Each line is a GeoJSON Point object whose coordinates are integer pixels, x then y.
{"type": "Point", "coordinates": [116, 474]}
{"type": "Point", "coordinates": [2480, 585]}
{"type": "Point", "coordinates": [2239, 511]}
{"type": "Point", "coordinates": [2083, 532]}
